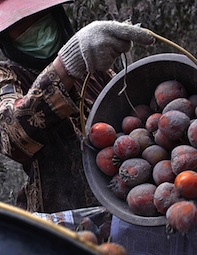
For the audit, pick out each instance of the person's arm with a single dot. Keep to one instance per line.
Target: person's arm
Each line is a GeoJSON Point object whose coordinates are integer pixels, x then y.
{"type": "Point", "coordinates": [67, 79]}
{"type": "Point", "coordinates": [25, 120]}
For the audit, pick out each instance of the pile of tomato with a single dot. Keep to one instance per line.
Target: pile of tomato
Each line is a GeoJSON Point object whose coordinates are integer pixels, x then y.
{"type": "Point", "coordinates": [152, 161]}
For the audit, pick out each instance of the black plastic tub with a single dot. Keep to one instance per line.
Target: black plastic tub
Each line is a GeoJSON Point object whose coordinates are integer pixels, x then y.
{"type": "Point", "coordinates": [142, 78]}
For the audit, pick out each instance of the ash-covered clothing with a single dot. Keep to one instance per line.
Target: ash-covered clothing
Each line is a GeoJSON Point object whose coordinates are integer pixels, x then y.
{"type": "Point", "coordinates": [39, 127]}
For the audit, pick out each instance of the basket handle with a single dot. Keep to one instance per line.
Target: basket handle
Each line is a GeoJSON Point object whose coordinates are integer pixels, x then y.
{"type": "Point", "coordinates": [176, 46]}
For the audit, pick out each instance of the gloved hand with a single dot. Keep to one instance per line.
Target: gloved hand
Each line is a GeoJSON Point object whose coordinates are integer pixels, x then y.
{"type": "Point", "coordinates": [97, 45]}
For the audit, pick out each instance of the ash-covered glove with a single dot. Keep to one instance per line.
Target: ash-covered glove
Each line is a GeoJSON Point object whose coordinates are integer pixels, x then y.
{"type": "Point", "coordinates": [97, 45]}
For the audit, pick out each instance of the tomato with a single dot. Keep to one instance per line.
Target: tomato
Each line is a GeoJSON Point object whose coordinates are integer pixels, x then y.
{"type": "Point", "coordinates": [104, 161]}
{"type": "Point", "coordinates": [130, 123]}
{"type": "Point", "coordinates": [186, 184]}
{"type": "Point", "coordinates": [182, 216]}
{"type": "Point", "coordinates": [126, 147]}
{"type": "Point", "coordinates": [102, 135]}
{"type": "Point", "coordinates": [112, 249]}
{"type": "Point", "coordinates": [87, 235]}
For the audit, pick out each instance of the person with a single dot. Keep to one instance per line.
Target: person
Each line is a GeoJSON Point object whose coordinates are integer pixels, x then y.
{"type": "Point", "coordinates": [40, 83]}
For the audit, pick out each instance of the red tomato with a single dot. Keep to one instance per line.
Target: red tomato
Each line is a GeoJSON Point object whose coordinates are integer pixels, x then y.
{"type": "Point", "coordinates": [102, 135]}
{"type": "Point", "coordinates": [186, 184]}
{"type": "Point", "coordinates": [104, 161]}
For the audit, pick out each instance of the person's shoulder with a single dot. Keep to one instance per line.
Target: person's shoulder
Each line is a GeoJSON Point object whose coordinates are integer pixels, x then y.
{"type": "Point", "coordinates": [7, 64]}
{"type": "Point", "coordinates": [5, 69]}
{"type": "Point", "coordinates": [8, 72]}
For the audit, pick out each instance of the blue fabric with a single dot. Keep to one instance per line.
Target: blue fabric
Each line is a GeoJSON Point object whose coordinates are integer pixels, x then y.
{"type": "Point", "coordinates": [143, 240]}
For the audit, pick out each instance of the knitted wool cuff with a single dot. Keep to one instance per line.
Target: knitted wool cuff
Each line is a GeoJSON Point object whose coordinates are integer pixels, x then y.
{"type": "Point", "coordinates": [72, 59]}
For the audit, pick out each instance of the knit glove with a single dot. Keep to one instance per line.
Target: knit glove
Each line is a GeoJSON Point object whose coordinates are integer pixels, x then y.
{"type": "Point", "coordinates": [97, 45]}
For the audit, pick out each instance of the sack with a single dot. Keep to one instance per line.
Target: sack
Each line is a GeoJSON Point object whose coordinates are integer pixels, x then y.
{"type": "Point", "coordinates": [96, 219]}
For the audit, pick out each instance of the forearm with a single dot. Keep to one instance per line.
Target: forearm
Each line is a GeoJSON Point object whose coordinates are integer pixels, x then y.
{"type": "Point", "coordinates": [26, 120]}
{"type": "Point", "coordinates": [65, 77]}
